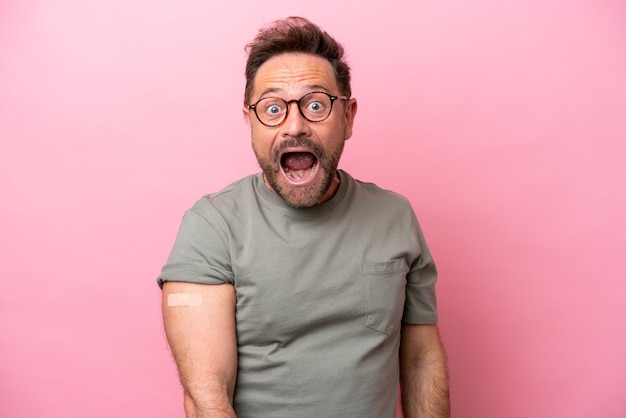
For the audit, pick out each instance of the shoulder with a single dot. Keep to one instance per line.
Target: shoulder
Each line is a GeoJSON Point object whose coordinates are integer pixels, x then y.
{"type": "Point", "coordinates": [372, 194]}
{"type": "Point", "coordinates": [227, 200]}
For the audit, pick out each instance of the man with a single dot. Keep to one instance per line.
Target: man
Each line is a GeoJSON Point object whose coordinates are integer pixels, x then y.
{"type": "Point", "coordinates": [301, 292]}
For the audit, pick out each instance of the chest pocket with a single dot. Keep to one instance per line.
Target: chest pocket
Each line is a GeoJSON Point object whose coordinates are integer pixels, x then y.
{"type": "Point", "coordinates": [385, 285]}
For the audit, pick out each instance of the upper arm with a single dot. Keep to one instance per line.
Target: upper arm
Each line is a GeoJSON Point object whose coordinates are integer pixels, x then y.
{"type": "Point", "coordinates": [203, 338]}
{"type": "Point", "coordinates": [423, 372]}
{"type": "Point", "coordinates": [419, 342]}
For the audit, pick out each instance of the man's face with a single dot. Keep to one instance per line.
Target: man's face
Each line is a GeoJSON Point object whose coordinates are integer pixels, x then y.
{"type": "Point", "coordinates": [299, 158]}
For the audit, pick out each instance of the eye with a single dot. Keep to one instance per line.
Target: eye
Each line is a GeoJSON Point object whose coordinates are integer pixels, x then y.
{"type": "Point", "coordinates": [315, 106]}
{"type": "Point", "coordinates": [273, 109]}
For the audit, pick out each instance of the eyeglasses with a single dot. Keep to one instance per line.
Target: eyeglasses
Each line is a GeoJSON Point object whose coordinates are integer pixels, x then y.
{"type": "Point", "coordinates": [314, 107]}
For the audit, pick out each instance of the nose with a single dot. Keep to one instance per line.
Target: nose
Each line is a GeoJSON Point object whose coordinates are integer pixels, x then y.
{"type": "Point", "coordinates": [295, 124]}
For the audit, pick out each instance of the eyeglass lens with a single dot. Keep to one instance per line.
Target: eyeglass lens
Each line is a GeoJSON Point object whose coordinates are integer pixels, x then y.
{"type": "Point", "coordinates": [313, 106]}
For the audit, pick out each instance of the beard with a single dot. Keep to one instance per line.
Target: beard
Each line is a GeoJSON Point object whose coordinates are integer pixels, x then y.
{"type": "Point", "coordinates": [311, 193]}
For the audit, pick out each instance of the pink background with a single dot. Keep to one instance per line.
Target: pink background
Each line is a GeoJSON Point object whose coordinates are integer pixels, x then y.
{"type": "Point", "coordinates": [504, 122]}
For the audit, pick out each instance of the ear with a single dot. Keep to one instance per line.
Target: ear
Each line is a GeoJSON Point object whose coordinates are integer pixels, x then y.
{"type": "Point", "coordinates": [349, 115]}
{"type": "Point", "coordinates": [246, 115]}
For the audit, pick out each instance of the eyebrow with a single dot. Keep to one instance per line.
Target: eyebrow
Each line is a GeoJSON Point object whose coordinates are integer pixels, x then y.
{"type": "Point", "coordinates": [310, 87]}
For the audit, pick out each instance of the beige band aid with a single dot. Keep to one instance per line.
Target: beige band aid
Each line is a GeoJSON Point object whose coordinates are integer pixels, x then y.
{"type": "Point", "coordinates": [184, 299]}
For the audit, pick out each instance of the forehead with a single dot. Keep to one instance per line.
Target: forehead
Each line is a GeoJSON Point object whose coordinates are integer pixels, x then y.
{"type": "Point", "coordinates": [292, 75]}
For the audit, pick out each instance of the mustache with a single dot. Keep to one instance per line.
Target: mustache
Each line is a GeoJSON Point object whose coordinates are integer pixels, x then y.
{"type": "Point", "coordinates": [299, 142]}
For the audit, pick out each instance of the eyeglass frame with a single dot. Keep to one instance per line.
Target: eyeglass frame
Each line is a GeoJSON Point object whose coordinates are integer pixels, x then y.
{"type": "Point", "coordinates": [297, 101]}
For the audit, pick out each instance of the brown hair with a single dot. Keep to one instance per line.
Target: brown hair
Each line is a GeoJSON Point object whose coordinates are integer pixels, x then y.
{"type": "Point", "coordinates": [295, 34]}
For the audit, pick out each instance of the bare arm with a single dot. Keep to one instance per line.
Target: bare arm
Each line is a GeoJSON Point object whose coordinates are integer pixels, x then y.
{"type": "Point", "coordinates": [204, 345]}
{"type": "Point", "coordinates": [423, 373]}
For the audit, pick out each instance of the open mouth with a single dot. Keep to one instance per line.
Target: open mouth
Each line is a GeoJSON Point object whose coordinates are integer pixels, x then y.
{"type": "Point", "coordinates": [299, 167]}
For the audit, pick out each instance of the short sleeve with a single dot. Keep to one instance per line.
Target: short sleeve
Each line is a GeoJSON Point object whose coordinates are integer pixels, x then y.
{"type": "Point", "coordinates": [200, 253]}
{"type": "Point", "coordinates": [420, 306]}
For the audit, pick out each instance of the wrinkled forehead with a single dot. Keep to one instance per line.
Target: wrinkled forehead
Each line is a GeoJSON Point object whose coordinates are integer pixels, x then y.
{"type": "Point", "coordinates": [292, 75]}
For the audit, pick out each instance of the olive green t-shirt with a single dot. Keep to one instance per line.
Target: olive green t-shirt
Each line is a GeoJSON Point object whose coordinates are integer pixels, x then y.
{"type": "Point", "coordinates": [321, 293]}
